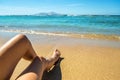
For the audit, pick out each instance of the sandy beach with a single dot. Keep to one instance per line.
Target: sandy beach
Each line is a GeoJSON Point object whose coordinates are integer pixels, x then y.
{"type": "Point", "coordinates": [83, 59]}
{"type": "Point", "coordinates": [86, 32]}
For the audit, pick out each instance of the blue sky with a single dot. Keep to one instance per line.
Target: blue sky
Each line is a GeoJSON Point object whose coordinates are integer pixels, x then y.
{"type": "Point", "coordinates": [100, 7]}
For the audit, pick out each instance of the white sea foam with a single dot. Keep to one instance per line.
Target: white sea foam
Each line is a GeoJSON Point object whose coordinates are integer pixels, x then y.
{"type": "Point", "coordinates": [90, 36]}
{"type": "Point", "coordinates": [35, 32]}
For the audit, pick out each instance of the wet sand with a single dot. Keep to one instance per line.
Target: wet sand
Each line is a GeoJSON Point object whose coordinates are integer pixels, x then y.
{"type": "Point", "coordinates": [84, 59]}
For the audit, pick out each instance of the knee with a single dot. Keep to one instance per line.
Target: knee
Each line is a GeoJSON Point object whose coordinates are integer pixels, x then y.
{"type": "Point", "coordinates": [21, 39]}
{"type": "Point", "coordinates": [21, 36]}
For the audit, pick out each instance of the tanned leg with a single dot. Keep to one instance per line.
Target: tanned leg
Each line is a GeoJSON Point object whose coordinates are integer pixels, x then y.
{"type": "Point", "coordinates": [12, 52]}
{"type": "Point", "coordinates": [35, 70]}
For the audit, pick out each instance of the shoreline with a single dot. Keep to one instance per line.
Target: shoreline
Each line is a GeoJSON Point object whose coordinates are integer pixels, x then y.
{"type": "Point", "coordinates": [62, 40]}
{"type": "Point", "coordinates": [94, 36]}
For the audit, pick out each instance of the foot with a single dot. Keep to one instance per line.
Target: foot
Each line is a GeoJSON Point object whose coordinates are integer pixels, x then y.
{"type": "Point", "coordinates": [51, 61]}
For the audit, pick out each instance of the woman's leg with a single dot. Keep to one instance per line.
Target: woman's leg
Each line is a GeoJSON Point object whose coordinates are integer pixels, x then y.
{"type": "Point", "coordinates": [12, 52]}
{"type": "Point", "coordinates": [35, 70]}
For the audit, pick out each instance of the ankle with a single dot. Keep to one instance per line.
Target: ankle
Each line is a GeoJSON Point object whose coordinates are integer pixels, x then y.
{"type": "Point", "coordinates": [44, 63]}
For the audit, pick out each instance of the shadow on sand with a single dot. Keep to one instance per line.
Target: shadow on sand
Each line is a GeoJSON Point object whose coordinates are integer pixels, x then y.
{"type": "Point", "coordinates": [55, 73]}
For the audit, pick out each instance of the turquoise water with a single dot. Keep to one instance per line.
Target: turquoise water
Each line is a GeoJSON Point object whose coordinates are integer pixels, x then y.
{"type": "Point", "coordinates": [84, 24]}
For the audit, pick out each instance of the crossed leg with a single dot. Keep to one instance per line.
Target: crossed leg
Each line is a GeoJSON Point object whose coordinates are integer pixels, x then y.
{"type": "Point", "coordinates": [20, 47]}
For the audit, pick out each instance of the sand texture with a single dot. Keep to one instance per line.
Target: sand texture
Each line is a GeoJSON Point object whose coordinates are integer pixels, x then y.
{"type": "Point", "coordinates": [78, 61]}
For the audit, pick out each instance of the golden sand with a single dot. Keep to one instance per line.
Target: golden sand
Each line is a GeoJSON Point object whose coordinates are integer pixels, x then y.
{"type": "Point", "coordinates": [81, 62]}
{"type": "Point", "coordinates": [95, 36]}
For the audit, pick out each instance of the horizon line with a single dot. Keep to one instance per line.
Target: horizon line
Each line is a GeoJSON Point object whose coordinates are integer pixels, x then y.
{"type": "Point", "coordinates": [58, 14]}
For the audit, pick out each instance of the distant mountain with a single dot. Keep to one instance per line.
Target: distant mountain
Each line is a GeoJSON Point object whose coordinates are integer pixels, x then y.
{"type": "Point", "coordinates": [50, 14]}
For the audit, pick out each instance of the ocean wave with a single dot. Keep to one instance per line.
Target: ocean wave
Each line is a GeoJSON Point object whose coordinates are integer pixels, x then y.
{"type": "Point", "coordinates": [73, 35]}
{"type": "Point", "coordinates": [34, 32]}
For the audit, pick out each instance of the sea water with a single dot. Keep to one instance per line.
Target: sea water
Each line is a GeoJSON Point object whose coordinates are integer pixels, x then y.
{"type": "Point", "coordinates": [82, 24]}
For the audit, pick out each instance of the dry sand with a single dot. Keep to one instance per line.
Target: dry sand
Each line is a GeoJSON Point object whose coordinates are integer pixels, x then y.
{"type": "Point", "coordinates": [81, 61]}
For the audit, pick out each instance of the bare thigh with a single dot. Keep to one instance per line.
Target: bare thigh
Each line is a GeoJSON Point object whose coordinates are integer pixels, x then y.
{"type": "Point", "coordinates": [12, 52]}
